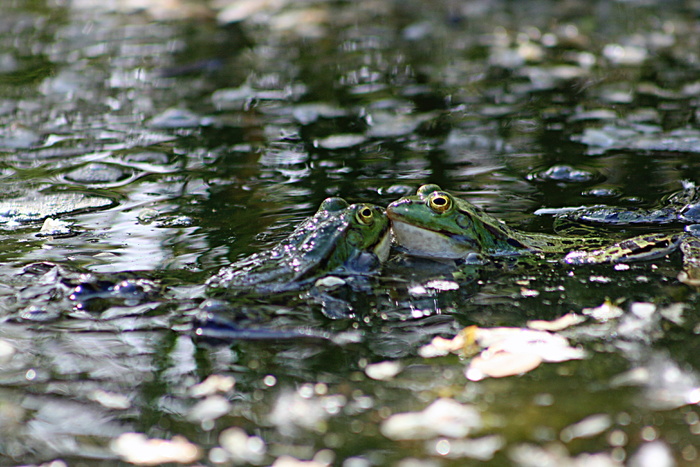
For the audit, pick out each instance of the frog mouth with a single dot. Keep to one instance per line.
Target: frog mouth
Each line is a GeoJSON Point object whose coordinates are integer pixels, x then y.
{"type": "Point", "coordinates": [428, 243]}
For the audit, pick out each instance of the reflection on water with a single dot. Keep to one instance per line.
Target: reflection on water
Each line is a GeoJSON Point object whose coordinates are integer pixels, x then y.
{"type": "Point", "coordinates": [166, 139]}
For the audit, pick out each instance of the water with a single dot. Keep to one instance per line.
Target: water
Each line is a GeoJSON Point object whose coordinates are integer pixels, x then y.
{"type": "Point", "coordinates": [169, 147]}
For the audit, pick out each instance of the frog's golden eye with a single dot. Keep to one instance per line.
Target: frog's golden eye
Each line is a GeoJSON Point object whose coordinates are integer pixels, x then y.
{"type": "Point", "coordinates": [439, 202]}
{"type": "Point", "coordinates": [365, 215]}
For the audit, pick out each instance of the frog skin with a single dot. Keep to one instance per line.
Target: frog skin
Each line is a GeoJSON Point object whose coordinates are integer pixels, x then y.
{"type": "Point", "coordinates": [682, 207]}
{"type": "Point", "coordinates": [436, 224]}
{"type": "Point", "coordinates": [338, 240]}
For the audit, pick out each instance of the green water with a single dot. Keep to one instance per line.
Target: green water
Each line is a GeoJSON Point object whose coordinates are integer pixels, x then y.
{"type": "Point", "coordinates": [364, 100]}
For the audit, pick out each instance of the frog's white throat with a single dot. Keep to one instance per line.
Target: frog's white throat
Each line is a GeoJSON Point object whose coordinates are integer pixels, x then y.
{"type": "Point", "coordinates": [428, 243]}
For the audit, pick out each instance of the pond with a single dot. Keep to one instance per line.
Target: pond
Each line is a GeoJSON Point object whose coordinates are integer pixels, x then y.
{"type": "Point", "coordinates": [146, 145]}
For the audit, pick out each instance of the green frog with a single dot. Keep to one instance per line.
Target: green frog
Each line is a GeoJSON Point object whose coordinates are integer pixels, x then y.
{"type": "Point", "coordinates": [339, 240]}
{"type": "Point", "coordinates": [681, 207]}
{"type": "Point", "coordinates": [434, 223]}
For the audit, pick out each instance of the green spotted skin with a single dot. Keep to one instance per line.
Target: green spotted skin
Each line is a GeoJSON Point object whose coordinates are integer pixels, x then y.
{"type": "Point", "coordinates": [434, 223]}
{"type": "Point", "coordinates": [339, 239]}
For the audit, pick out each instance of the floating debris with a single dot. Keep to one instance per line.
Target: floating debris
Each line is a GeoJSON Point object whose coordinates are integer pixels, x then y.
{"type": "Point", "coordinates": [302, 409]}
{"type": "Point", "coordinates": [559, 324]}
{"type": "Point", "coordinates": [383, 371]}
{"type": "Point", "coordinates": [442, 285]}
{"type": "Point", "coordinates": [209, 408]}
{"type": "Point", "coordinates": [110, 400]}
{"type": "Point", "coordinates": [37, 207]}
{"type": "Point", "coordinates": [550, 347]}
{"type": "Point", "coordinates": [441, 346]}
{"type": "Point", "coordinates": [7, 350]}
{"type": "Point", "coordinates": [500, 364]}
{"type": "Point", "coordinates": [242, 10]}
{"type": "Point", "coordinates": [444, 417]}
{"type": "Point", "coordinates": [241, 448]}
{"type": "Point", "coordinates": [482, 449]}
{"type": "Point", "coordinates": [590, 426]}
{"type": "Point", "coordinates": [507, 351]}
{"type": "Point", "coordinates": [137, 448]}
{"type": "Point", "coordinates": [212, 385]}
{"type": "Point", "coordinates": [653, 454]}
{"type": "Point", "coordinates": [310, 113]}
{"type": "Point", "coordinates": [55, 228]}
{"type": "Point", "coordinates": [604, 312]}
{"type": "Point", "coordinates": [329, 282]}
{"type": "Point", "coordinates": [289, 461]}
{"type": "Point", "coordinates": [667, 385]}
{"type": "Point", "coordinates": [641, 323]}
{"type": "Point", "coordinates": [174, 222]}
{"type": "Point", "coordinates": [341, 141]}
{"type": "Point", "coordinates": [674, 313]}
{"type": "Point", "coordinates": [555, 454]}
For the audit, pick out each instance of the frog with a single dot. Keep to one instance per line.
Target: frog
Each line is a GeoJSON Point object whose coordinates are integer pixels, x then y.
{"type": "Point", "coordinates": [338, 240]}
{"type": "Point", "coordinates": [436, 224]}
{"type": "Point", "coordinates": [681, 207]}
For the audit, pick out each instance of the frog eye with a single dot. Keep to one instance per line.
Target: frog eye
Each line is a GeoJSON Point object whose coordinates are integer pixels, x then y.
{"type": "Point", "coordinates": [439, 202]}
{"type": "Point", "coordinates": [365, 215]}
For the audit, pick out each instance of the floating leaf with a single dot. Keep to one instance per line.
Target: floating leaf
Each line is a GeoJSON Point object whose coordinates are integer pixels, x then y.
{"type": "Point", "coordinates": [588, 427]}
{"type": "Point", "coordinates": [212, 385]}
{"type": "Point", "coordinates": [548, 346]}
{"type": "Point", "coordinates": [604, 312]}
{"type": "Point", "coordinates": [444, 417]}
{"type": "Point", "coordinates": [341, 141]}
{"type": "Point", "coordinates": [136, 448]}
{"type": "Point", "coordinates": [500, 364]}
{"type": "Point", "coordinates": [384, 370]}
{"type": "Point", "coordinates": [563, 322]}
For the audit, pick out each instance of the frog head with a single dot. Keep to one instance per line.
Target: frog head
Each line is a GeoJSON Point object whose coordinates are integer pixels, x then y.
{"type": "Point", "coordinates": [338, 239]}
{"type": "Point", "coordinates": [354, 238]}
{"type": "Point", "coordinates": [434, 223]}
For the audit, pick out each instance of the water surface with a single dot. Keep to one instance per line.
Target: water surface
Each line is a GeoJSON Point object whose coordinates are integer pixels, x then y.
{"type": "Point", "coordinates": [168, 144]}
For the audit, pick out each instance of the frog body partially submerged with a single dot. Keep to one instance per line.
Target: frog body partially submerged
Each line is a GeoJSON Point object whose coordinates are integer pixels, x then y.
{"type": "Point", "coordinates": [340, 239]}
{"type": "Point", "coordinates": [682, 207]}
{"type": "Point", "coordinates": [434, 223]}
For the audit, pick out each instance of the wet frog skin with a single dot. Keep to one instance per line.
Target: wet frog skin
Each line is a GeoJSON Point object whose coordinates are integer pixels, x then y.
{"type": "Point", "coordinates": [434, 223]}
{"type": "Point", "coordinates": [682, 207]}
{"type": "Point", "coordinates": [340, 239]}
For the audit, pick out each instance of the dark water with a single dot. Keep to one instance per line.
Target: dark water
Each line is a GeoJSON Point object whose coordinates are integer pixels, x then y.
{"type": "Point", "coordinates": [170, 147]}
